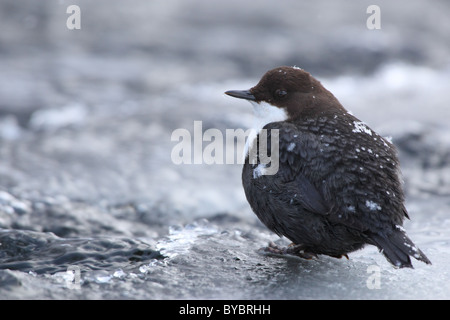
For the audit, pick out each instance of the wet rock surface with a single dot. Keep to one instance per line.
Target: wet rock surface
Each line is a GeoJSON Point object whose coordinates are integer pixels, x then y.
{"type": "Point", "coordinates": [87, 182]}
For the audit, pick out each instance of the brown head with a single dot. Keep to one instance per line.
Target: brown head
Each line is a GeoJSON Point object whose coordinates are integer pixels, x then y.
{"type": "Point", "coordinates": [293, 91]}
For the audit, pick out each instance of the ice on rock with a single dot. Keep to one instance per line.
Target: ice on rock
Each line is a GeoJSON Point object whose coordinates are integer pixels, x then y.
{"type": "Point", "coordinates": [119, 273]}
{"type": "Point", "coordinates": [103, 278]}
{"type": "Point", "coordinates": [10, 204]}
{"type": "Point", "coordinates": [99, 276]}
{"type": "Point", "coordinates": [52, 119]}
{"type": "Point", "coordinates": [181, 239]}
{"type": "Point", "coordinates": [10, 128]}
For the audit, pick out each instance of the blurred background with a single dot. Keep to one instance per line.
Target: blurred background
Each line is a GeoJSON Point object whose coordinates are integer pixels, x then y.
{"type": "Point", "coordinates": [86, 116]}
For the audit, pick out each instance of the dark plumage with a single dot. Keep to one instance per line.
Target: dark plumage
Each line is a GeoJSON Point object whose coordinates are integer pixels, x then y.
{"type": "Point", "coordinates": [337, 187]}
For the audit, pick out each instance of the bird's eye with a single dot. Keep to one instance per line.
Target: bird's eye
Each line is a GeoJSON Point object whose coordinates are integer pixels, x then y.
{"type": "Point", "coordinates": [280, 93]}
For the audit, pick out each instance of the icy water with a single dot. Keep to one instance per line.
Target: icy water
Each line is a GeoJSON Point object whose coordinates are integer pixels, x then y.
{"type": "Point", "coordinates": [92, 205]}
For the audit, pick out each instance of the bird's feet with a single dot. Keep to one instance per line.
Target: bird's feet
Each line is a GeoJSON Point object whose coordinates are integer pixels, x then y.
{"type": "Point", "coordinates": [293, 249]}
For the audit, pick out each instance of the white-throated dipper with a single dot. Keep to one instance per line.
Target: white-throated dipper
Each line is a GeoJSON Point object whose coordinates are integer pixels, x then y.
{"type": "Point", "coordinates": [338, 184]}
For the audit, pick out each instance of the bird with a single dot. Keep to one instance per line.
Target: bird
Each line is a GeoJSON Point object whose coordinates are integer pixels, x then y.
{"type": "Point", "coordinates": [338, 185]}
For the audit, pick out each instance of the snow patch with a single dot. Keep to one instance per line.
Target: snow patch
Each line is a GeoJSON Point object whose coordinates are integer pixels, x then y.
{"type": "Point", "coordinates": [373, 206]}
{"type": "Point", "coordinates": [361, 127]}
{"type": "Point", "coordinates": [259, 171]}
{"type": "Point", "coordinates": [291, 146]}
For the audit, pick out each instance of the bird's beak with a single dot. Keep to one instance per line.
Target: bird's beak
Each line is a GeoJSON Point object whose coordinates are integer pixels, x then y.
{"type": "Point", "coordinates": [241, 94]}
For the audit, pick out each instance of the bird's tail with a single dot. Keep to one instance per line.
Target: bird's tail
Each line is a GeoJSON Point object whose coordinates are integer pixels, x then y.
{"type": "Point", "coordinates": [397, 248]}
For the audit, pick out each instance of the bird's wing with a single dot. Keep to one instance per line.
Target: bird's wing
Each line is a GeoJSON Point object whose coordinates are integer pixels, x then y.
{"type": "Point", "coordinates": [293, 178]}
{"type": "Point", "coordinates": [359, 188]}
